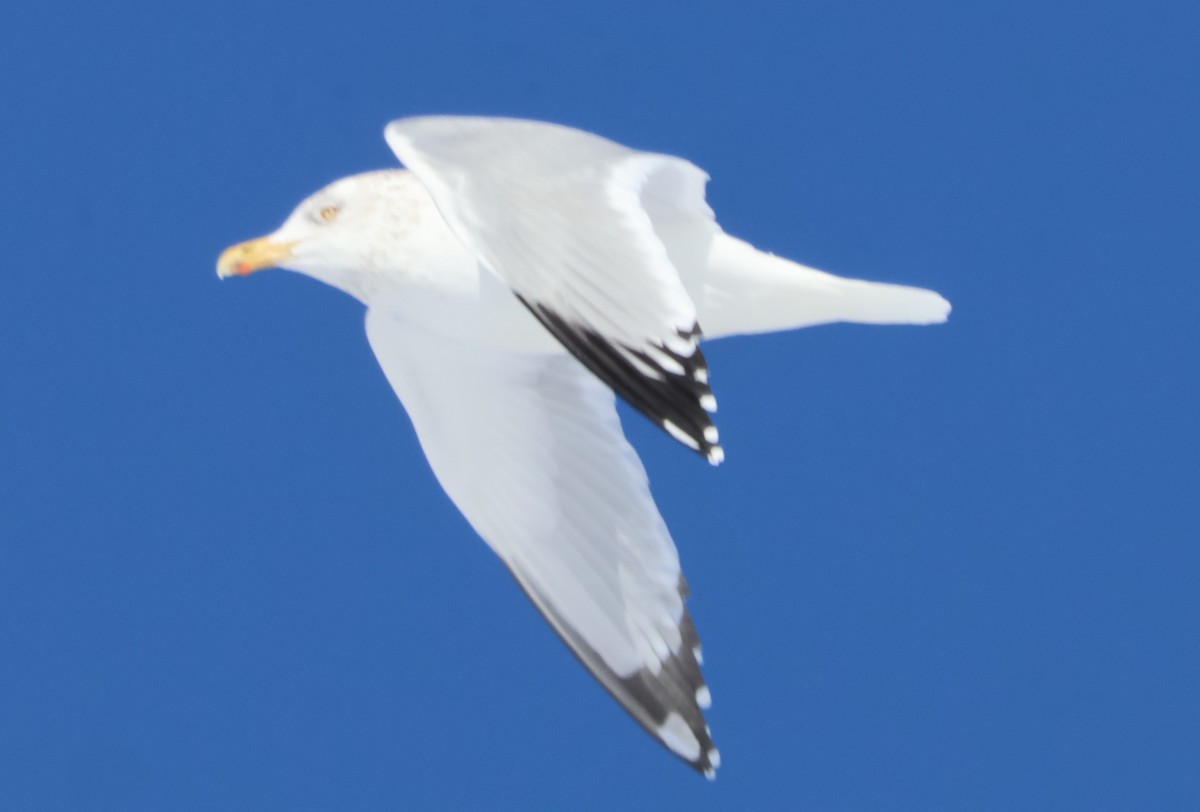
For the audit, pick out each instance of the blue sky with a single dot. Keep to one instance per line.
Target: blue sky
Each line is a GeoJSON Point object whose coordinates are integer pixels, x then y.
{"type": "Point", "coordinates": [950, 567]}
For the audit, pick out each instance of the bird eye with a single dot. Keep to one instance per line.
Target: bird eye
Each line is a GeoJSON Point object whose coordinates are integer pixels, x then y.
{"type": "Point", "coordinates": [329, 214]}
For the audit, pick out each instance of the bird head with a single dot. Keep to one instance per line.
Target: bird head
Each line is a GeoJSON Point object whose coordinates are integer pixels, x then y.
{"type": "Point", "coordinates": [353, 227]}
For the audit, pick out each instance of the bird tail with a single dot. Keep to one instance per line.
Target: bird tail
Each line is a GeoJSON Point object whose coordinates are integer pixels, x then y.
{"type": "Point", "coordinates": [749, 291]}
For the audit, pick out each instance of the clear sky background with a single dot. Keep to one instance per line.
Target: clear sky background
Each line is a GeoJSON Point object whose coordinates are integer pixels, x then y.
{"type": "Point", "coordinates": [948, 567]}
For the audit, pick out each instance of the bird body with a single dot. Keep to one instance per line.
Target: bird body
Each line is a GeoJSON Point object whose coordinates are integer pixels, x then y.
{"type": "Point", "coordinates": [517, 276]}
{"type": "Point", "coordinates": [425, 274]}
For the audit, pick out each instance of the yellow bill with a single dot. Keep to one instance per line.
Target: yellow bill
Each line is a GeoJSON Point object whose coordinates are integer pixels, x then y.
{"type": "Point", "coordinates": [252, 255]}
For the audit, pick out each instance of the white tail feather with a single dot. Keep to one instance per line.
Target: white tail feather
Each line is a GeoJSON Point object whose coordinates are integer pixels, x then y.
{"type": "Point", "coordinates": [745, 290]}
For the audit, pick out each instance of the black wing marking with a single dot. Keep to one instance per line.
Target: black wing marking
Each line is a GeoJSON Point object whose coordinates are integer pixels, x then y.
{"type": "Point", "coordinates": [679, 402]}
{"type": "Point", "coordinates": [651, 698]}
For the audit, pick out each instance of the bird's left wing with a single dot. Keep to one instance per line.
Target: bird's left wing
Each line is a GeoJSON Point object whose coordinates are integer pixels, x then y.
{"type": "Point", "coordinates": [565, 218]}
{"type": "Point", "coordinates": [530, 449]}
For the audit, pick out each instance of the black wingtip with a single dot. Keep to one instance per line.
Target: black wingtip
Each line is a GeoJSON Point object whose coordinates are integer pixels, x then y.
{"type": "Point", "coordinates": [669, 702]}
{"type": "Point", "coordinates": [667, 385]}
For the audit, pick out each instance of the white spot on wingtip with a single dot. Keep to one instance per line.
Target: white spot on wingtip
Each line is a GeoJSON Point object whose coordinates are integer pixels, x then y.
{"type": "Point", "coordinates": [676, 735]}
{"type": "Point", "coordinates": [698, 655]}
{"type": "Point", "coordinates": [644, 369]}
{"type": "Point", "coordinates": [700, 375]}
{"type": "Point", "coordinates": [710, 434]}
{"type": "Point", "coordinates": [704, 697]}
{"type": "Point", "coordinates": [665, 361]}
{"type": "Point", "coordinates": [680, 435]}
{"type": "Point", "coordinates": [714, 758]}
{"type": "Point", "coordinates": [716, 455]}
{"type": "Point", "coordinates": [708, 403]}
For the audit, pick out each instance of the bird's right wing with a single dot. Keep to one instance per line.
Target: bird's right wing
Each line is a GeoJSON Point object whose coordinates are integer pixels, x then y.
{"type": "Point", "coordinates": [530, 449]}
{"type": "Point", "coordinates": [566, 219]}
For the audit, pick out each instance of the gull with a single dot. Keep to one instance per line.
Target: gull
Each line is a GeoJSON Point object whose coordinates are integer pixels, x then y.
{"type": "Point", "coordinates": [515, 277]}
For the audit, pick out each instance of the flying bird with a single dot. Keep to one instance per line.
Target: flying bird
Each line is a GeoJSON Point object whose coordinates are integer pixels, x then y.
{"type": "Point", "coordinates": [515, 277]}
